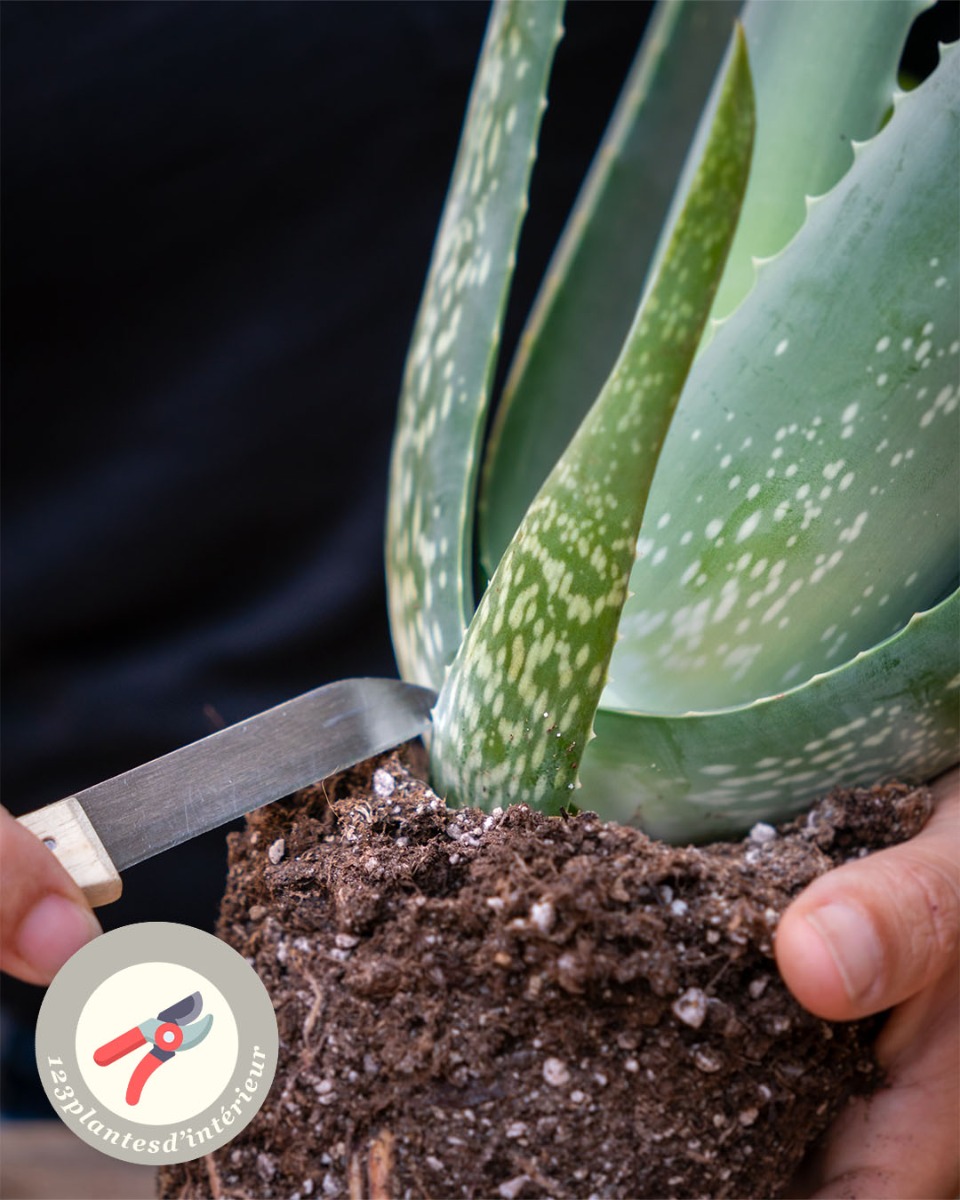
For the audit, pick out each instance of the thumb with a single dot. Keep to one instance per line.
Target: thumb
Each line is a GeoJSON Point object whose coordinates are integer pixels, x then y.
{"type": "Point", "coordinates": [876, 931]}
{"type": "Point", "coordinates": [44, 916]}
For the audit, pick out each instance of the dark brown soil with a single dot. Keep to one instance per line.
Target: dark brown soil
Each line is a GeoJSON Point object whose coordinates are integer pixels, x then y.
{"type": "Point", "coordinates": [514, 1005]}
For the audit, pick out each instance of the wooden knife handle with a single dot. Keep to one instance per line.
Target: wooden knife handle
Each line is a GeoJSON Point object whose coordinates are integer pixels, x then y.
{"type": "Point", "coordinates": [66, 829]}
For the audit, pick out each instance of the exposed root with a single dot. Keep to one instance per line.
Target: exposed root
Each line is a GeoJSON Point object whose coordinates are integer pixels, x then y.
{"type": "Point", "coordinates": [216, 1191]}
{"type": "Point", "coordinates": [380, 1165]}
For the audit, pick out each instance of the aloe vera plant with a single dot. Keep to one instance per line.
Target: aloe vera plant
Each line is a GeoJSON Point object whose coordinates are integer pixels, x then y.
{"type": "Point", "coordinates": [718, 513]}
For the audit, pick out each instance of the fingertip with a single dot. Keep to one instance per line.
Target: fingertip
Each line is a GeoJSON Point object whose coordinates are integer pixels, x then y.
{"type": "Point", "coordinates": [52, 932]}
{"type": "Point", "coordinates": [809, 967]}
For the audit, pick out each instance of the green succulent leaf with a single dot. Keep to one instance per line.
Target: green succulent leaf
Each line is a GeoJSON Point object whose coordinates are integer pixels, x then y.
{"type": "Point", "coordinates": [825, 75]}
{"type": "Point", "coordinates": [453, 354]}
{"type": "Point", "coordinates": [589, 298]}
{"type": "Point", "coordinates": [701, 776]}
{"type": "Point", "coordinates": [805, 502]}
{"type": "Point", "coordinates": [517, 708]}
{"type": "Point", "coordinates": [794, 490]}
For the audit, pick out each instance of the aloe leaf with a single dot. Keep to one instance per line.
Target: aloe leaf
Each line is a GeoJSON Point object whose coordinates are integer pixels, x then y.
{"type": "Point", "coordinates": [805, 504]}
{"type": "Point", "coordinates": [891, 711]}
{"type": "Point", "coordinates": [517, 708]}
{"type": "Point", "coordinates": [825, 73]}
{"type": "Point", "coordinates": [590, 295]}
{"type": "Point", "coordinates": [448, 375]}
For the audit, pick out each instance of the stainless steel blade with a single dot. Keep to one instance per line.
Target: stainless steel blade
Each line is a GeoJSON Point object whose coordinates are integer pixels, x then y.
{"type": "Point", "coordinates": [171, 799]}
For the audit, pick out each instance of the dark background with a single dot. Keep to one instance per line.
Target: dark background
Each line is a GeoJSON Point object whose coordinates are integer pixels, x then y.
{"type": "Point", "coordinates": [216, 223]}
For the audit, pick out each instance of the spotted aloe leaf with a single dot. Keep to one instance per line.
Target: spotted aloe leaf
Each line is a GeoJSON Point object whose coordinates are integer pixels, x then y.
{"type": "Point", "coordinates": [805, 504]}
{"type": "Point", "coordinates": [446, 387]}
{"type": "Point", "coordinates": [516, 711]}
{"type": "Point", "coordinates": [707, 775]}
{"type": "Point", "coordinates": [825, 76]}
{"type": "Point", "coordinates": [589, 297]}
{"type": "Point", "coordinates": [789, 629]}
{"type": "Point", "coordinates": [803, 146]}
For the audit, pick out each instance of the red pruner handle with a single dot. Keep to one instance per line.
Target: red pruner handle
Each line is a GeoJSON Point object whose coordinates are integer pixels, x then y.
{"type": "Point", "coordinates": [120, 1046]}
{"type": "Point", "coordinates": [141, 1073]}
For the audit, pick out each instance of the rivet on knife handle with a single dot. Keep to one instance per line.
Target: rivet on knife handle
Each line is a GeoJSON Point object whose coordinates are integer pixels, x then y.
{"type": "Point", "coordinates": [66, 829]}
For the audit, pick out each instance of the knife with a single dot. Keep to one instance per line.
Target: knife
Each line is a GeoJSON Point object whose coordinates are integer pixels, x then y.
{"type": "Point", "coordinates": [104, 829]}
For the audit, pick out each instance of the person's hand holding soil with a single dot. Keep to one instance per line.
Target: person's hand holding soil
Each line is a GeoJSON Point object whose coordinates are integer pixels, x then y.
{"type": "Point", "coordinates": [44, 917]}
{"type": "Point", "coordinates": [877, 934]}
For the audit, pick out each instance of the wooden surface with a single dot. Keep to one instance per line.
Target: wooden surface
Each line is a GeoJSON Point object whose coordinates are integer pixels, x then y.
{"type": "Point", "coordinates": [43, 1160]}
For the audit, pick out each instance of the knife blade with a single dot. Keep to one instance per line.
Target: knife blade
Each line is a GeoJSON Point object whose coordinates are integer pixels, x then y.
{"type": "Point", "coordinates": [104, 829]}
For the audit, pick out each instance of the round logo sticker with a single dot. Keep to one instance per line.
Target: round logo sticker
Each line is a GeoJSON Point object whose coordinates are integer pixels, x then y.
{"type": "Point", "coordinates": [156, 1043]}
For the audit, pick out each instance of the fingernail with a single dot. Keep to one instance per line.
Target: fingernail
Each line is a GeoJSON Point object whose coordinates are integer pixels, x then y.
{"type": "Point", "coordinates": [53, 930]}
{"type": "Point", "coordinates": [850, 937]}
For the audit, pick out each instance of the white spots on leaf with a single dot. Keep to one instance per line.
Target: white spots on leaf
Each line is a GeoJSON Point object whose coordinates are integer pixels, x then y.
{"type": "Point", "coordinates": [781, 347]}
{"type": "Point", "coordinates": [438, 383]}
{"type": "Point", "coordinates": [759, 567]}
{"type": "Point", "coordinates": [833, 469]}
{"type": "Point", "coordinates": [718, 769]}
{"type": "Point", "coordinates": [713, 528]}
{"type": "Point", "coordinates": [749, 526]}
{"type": "Point", "coordinates": [945, 403]}
{"type": "Point", "coordinates": [824, 564]}
{"type": "Point", "coordinates": [815, 508]}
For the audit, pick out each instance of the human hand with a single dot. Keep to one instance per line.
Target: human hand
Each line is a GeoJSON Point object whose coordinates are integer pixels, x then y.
{"type": "Point", "coordinates": [44, 917]}
{"type": "Point", "coordinates": [879, 933]}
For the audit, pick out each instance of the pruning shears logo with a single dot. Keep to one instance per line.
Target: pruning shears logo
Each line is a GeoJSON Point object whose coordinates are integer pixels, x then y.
{"type": "Point", "coordinates": [171, 1030]}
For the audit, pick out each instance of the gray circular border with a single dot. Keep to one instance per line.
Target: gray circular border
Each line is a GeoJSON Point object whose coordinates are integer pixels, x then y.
{"type": "Point", "coordinates": [159, 941]}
